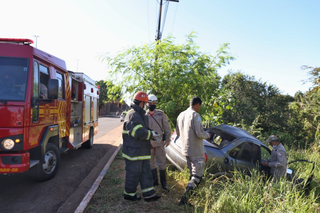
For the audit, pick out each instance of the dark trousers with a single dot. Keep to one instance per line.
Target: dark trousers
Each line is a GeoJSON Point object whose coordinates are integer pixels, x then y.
{"type": "Point", "coordinates": [138, 172]}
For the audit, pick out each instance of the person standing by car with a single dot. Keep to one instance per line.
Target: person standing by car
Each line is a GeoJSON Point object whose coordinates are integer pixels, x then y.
{"type": "Point", "coordinates": [189, 128]}
{"type": "Point", "coordinates": [137, 151]}
{"type": "Point", "coordinates": [278, 159]}
{"type": "Point", "coordinates": [158, 122]}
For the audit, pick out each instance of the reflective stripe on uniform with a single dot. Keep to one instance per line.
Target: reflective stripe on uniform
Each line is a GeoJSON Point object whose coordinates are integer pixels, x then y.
{"type": "Point", "coordinates": [135, 129]}
{"type": "Point", "coordinates": [130, 194]}
{"type": "Point", "coordinates": [146, 157]}
{"type": "Point", "coordinates": [149, 134]}
{"type": "Point", "coordinates": [147, 189]}
{"type": "Point", "coordinates": [125, 132]}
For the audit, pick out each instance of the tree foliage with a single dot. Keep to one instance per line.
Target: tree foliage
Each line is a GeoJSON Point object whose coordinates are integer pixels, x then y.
{"type": "Point", "coordinates": [176, 72]}
{"type": "Point", "coordinates": [108, 92]}
{"type": "Point", "coordinates": [172, 72]}
{"type": "Point", "coordinates": [253, 105]}
{"type": "Point", "coordinates": [314, 75]}
{"type": "Point", "coordinates": [252, 99]}
{"type": "Point", "coordinates": [307, 108]}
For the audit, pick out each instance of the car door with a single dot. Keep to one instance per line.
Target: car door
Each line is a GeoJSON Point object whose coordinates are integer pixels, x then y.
{"type": "Point", "coordinates": [265, 156]}
{"type": "Point", "coordinates": [175, 152]}
{"type": "Point", "coordinates": [246, 156]}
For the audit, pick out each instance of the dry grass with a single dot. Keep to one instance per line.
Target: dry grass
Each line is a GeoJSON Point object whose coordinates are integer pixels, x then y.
{"type": "Point", "coordinates": [109, 196]}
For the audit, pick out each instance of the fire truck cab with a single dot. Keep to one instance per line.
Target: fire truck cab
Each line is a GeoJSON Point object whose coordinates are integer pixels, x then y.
{"type": "Point", "coordinates": [45, 110]}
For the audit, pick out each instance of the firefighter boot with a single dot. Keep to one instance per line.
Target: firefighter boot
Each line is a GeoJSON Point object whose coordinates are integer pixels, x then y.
{"type": "Point", "coordinates": [132, 198]}
{"type": "Point", "coordinates": [155, 176]}
{"type": "Point", "coordinates": [163, 180]}
{"type": "Point", "coordinates": [154, 197]}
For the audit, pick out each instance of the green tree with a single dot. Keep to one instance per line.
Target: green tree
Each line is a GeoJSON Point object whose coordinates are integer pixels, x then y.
{"type": "Point", "coordinates": [174, 73]}
{"type": "Point", "coordinates": [108, 92]}
{"type": "Point", "coordinates": [252, 101]}
{"type": "Point", "coordinates": [307, 109]}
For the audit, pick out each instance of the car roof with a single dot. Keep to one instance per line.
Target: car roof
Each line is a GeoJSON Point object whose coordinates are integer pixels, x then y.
{"type": "Point", "coordinates": [233, 131]}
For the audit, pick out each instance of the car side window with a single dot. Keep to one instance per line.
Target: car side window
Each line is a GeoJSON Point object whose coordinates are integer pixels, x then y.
{"type": "Point", "coordinates": [250, 152]}
{"type": "Point", "coordinates": [246, 151]}
{"type": "Point", "coordinates": [265, 153]}
{"type": "Point", "coordinates": [236, 152]}
{"type": "Point", "coordinates": [61, 85]}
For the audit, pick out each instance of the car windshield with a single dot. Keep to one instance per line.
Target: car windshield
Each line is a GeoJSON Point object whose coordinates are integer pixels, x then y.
{"type": "Point", "coordinates": [13, 78]}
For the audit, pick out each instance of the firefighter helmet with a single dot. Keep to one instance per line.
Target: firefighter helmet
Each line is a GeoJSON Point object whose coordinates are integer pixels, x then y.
{"type": "Point", "coordinates": [153, 98]}
{"type": "Point", "coordinates": [141, 96]}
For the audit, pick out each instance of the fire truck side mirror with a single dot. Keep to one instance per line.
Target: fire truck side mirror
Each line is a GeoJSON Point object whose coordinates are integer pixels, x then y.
{"type": "Point", "coordinates": [53, 87]}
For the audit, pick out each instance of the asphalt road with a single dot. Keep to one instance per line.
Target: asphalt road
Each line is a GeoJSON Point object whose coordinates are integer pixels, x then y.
{"type": "Point", "coordinates": [78, 170]}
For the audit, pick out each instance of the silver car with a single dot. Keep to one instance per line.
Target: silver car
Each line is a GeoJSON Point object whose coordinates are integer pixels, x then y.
{"type": "Point", "coordinates": [228, 148]}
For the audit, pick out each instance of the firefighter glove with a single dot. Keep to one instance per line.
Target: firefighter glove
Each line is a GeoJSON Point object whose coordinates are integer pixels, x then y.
{"type": "Point", "coordinates": [156, 136]}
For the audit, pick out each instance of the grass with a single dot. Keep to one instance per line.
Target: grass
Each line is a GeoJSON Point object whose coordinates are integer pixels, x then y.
{"type": "Point", "coordinates": [241, 194]}
{"type": "Point", "coordinates": [109, 196]}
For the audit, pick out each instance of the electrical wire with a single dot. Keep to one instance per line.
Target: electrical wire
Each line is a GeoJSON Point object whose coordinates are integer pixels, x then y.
{"type": "Point", "coordinates": [174, 19]}
{"type": "Point", "coordinates": [164, 17]}
{"type": "Point", "coordinates": [148, 19]}
{"type": "Point", "coordinates": [165, 1]}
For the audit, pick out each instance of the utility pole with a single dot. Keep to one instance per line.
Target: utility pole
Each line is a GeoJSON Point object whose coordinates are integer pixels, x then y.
{"type": "Point", "coordinates": [159, 33]}
{"type": "Point", "coordinates": [159, 22]}
{"type": "Point", "coordinates": [36, 36]}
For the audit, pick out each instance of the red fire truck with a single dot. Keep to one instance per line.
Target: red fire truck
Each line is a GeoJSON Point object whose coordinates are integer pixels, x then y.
{"type": "Point", "coordinates": [44, 109]}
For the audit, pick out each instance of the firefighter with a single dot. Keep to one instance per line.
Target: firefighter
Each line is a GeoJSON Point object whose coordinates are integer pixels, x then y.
{"type": "Point", "coordinates": [158, 122]}
{"type": "Point", "coordinates": [278, 158]}
{"type": "Point", "coordinates": [137, 151]}
{"type": "Point", "coordinates": [189, 128]}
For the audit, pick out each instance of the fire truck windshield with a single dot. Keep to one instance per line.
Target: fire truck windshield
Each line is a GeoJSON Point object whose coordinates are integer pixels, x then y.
{"type": "Point", "coordinates": [13, 78]}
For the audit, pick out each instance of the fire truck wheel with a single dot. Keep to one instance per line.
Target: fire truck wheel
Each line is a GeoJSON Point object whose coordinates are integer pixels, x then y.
{"type": "Point", "coordinates": [89, 143]}
{"type": "Point", "coordinates": [50, 167]}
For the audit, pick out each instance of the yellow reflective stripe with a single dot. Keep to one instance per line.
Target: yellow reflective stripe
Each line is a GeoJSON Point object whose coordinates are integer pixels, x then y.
{"type": "Point", "coordinates": [147, 189]}
{"type": "Point", "coordinates": [130, 194]}
{"type": "Point", "coordinates": [125, 132]}
{"type": "Point", "coordinates": [135, 129]}
{"type": "Point", "coordinates": [149, 134]}
{"type": "Point", "coordinates": [146, 157]}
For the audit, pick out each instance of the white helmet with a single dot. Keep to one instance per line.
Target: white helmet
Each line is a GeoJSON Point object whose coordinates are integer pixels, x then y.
{"type": "Point", "coordinates": [153, 98]}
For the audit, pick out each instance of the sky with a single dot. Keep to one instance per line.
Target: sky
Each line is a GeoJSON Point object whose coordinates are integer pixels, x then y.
{"type": "Point", "coordinates": [271, 39]}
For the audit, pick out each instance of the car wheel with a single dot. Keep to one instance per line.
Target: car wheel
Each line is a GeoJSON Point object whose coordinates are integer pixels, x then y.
{"type": "Point", "coordinates": [47, 170]}
{"type": "Point", "coordinates": [89, 143]}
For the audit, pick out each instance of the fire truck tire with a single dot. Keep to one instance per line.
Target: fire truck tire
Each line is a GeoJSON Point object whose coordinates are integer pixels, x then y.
{"type": "Point", "coordinates": [89, 143]}
{"type": "Point", "coordinates": [46, 171]}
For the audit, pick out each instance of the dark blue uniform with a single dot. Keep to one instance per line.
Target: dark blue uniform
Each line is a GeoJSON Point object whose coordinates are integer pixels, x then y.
{"type": "Point", "coordinates": [136, 151]}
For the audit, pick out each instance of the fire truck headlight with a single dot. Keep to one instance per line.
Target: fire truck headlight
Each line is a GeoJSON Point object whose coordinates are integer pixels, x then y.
{"type": "Point", "coordinates": [8, 144]}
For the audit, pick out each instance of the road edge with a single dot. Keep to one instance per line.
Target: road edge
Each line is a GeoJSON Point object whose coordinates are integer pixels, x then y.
{"type": "Point", "coordinates": [85, 186]}
{"type": "Point", "coordinates": [84, 203]}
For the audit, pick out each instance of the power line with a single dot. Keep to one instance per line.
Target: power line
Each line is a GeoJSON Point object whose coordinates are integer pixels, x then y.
{"type": "Point", "coordinates": [148, 19]}
{"type": "Point", "coordinates": [174, 18]}
{"type": "Point", "coordinates": [158, 32]}
{"type": "Point", "coordinates": [164, 17]}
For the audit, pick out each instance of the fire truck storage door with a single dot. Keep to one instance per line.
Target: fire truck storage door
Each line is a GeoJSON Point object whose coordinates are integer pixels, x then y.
{"type": "Point", "coordinates": [87, 118]}
{"type": "Point", "coordinates": [87, 115]}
